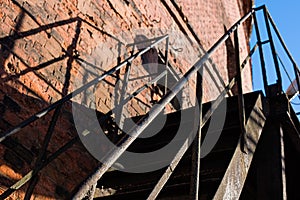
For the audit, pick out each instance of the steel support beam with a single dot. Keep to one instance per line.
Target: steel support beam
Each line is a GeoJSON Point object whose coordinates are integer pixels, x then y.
{"type": "Point", "coordinates": [240, 91]}
{"type": "Point", "coordinates": [196, 148]}
{"type": "Point", "coordinates": [261, 55]}
{"type": "Point", "coordinates": [270, 163]}
{"type": "Point", "coordinates": [233, 181]}
{"type": "Point", "coordinates": [277, 69]}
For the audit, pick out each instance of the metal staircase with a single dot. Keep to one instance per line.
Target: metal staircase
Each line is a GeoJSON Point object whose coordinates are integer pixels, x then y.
{"type": "Point", "coordinates": [214, 171]}
{"type": "Point", "coordinates": [255, 123]}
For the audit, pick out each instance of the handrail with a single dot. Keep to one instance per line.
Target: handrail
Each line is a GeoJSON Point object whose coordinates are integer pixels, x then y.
{"type": "Point", "coordinates": [127, 140]}
{"type": "Point", "coordinates": [160, 184]}
{"type": "Point", "coordinates": [69, 96]}
{"type": "Point", "coordinates": [281, 40]}
{"type": "Point", "coordinates": [286, 72]}
{"type": "Point", "coordinates": [261, 55]}
{"type": "Point", "coordinates": [296, 68]}
{"type": "Point", "coordinates": [114, 154]}
{"type": "Point", "coordinates": [185, 146]}
{"type": "Point", "coordinates": [269, 21]}
{"type": "Point", "coordinates": [57, 105]}
{"type": "Point", "coordinates": [273, 50]}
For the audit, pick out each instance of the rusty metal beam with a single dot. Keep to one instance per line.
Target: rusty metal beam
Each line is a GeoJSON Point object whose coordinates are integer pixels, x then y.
{"type": "Point", "coordinates": [233, 181]}
{"type": "Point", "coordinates": [196, 148]}
{"type": "Point", "coordinates": [167, 65]}
{"type": "Point", "coordinates": [241, 103]}
{"type": "Point", "coordinates": [165, 177]}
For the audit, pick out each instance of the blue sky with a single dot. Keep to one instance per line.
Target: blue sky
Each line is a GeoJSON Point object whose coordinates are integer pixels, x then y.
{"type": "Point", "coordinates": [286, 16]}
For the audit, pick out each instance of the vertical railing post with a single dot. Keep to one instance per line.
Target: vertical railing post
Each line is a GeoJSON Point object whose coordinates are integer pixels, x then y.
{"type": "Point", "coordinates": [240, 90]}
{"type": "Point", "coordinates": [196, 148]}
{"type": "Point", "coordinates": [261, 55]}
{"type": "Point", "coordinates": [296, 70]}
{"type": "Point", "coordinates": [166, 62]}
{"type": "Point", "coordinates": [296, 76]}
{"type": "Point", "coordinates": [272, 45]}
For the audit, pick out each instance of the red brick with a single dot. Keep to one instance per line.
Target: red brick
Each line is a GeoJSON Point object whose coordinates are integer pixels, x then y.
{"type": "Point", "coordinates": [149, 16]}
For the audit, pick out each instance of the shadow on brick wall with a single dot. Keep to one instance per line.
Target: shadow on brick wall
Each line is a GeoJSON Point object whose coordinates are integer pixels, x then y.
{"type": "Point", "coordinates": [10, 70]}
{"type": "Point", "coordinates": [54, 157]}
{"type": "Point", "coordinates": [61, 169]}
{"type": "Point", "coordinates": [23, 152]}
{"type": "Point", "coordinates": [231, 61]}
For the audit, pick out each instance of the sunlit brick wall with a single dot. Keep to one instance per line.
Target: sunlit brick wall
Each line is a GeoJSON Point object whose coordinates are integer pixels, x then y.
{"type": "Point", "coordinates": [50, 48]}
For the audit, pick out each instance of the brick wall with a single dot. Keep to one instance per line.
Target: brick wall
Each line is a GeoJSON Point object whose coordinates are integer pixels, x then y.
{"type": "Point", "coordinates": [50, 48]}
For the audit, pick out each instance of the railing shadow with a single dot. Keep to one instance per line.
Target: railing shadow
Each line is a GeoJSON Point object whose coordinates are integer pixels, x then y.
{"type": "Point", "coordinates": [22, 161]}
{"type": "Point", "coordinates": [19, 153]}
{"type": "Point", "coordinates": [13, 73]}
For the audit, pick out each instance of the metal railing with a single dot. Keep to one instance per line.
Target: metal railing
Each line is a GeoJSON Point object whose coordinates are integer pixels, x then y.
{"type": "Point", "coordinates": [41, 160]}
{"type": "Point", "coordinates": [238, 80]}
{"type": "Point", "coordinates": [128, 139]}
{"type": "Point", "coordinates": [272, 28]}
{"type": "Point", "coordinates": [134, 133]}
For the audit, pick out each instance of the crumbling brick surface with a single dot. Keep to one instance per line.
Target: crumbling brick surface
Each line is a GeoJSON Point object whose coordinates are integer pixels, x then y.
{"type": "Point", "coordinates": [50, 48]}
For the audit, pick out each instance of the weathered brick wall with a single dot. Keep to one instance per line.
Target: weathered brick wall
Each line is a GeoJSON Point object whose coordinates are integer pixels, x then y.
{"type": "Point", "coordinates": [50, 48]}
{"type": "Point", "coordinates": [210, 20]}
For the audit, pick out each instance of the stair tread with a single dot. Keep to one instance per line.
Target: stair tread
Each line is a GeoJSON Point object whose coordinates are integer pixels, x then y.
{"type": "Point", "coordinates": [213, 166]}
